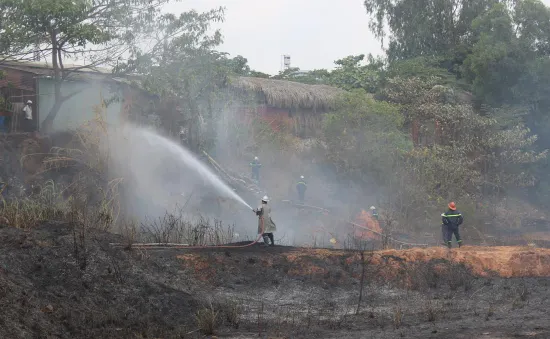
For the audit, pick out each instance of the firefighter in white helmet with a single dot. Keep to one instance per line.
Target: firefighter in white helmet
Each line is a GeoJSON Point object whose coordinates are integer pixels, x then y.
{"type": "Point", "coordinates": [301, 188]}
{"type": "Point", "coordinates": [256, 165]}
{"type": "Point", "coordinates": [374, 212]}
{"type": "Point", "coordinates": [266, 226]}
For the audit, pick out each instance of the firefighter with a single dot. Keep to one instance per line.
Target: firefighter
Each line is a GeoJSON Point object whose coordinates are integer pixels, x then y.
{"type": "Point", "coordinates": [451, 220]}
{"type": "Point", "coordinates": [374, 212]}
{"type": "Point", "coordinates": [266, 226]}
{"type": "Point", "coordinates": [255, 166]}
{"type": "Point", "coordinates": [301, 187]}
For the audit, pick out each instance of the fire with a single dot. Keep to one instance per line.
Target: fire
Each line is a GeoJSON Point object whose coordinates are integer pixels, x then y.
{"type": "Point", "coordinates": [367, 220]}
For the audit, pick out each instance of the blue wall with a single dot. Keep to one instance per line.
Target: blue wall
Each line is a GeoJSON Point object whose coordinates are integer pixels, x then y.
{"type": "Point", "coordinates": [78, 109]}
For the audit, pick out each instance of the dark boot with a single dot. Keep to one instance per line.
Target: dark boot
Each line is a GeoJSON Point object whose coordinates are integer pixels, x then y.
{"type": "Point", "coordinates": [449, 245]}
{"type": "Point", "coordinates": [266, 240]}
{"type": "Point", "coordinates": [271, 238]}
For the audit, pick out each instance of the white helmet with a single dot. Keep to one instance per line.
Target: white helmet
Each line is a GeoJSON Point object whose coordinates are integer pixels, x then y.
{"type": "Point", "coordinates": [255, 158]}
{"type": "Point", "coordinates": [301, 177]}
{"type": "Point", "coordinates": [29, 102]}
{"type": "Point", "coordinates": [372, 208]}
{"type": "Point", "coordinates": [265, 198]}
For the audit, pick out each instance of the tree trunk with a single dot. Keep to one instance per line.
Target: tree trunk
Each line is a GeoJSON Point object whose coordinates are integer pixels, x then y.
{"type": "Point", "coordinates": [47, 125]}
{"type": "Point", "coordinates": [194, 119]}
{"type": "Point", "coordinates": [362, 283]}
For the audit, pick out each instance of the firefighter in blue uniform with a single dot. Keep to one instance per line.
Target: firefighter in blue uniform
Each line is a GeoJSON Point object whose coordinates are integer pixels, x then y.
{"type": "Point", "coordinates": [301, 187]}
{"type": "Point", "coordinates": [451, 220]}
{"type": "Point", "coordinates": [255, 165]}
{"type": "Point", "coordinates": [374, 212]}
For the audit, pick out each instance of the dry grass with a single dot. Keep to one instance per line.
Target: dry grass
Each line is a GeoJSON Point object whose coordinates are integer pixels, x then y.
{"type": "Point", "coordinates": [91, 197]}
{"type": "Point", "coordinates": [397, 316]}
{"type": "Point", "coordinates": [179, 229]}
{"type": "Point", "coordinates": [207, 319]}
{"type": "Point", "coordinates": [289, 94]}
{"type": "Point", "coordinates": [27, 212]}
{"type": "Point", "coordinates": [433, 310]}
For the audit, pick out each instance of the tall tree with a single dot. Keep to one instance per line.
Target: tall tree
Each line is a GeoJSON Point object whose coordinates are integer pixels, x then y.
{"type": "Point", "coordinates": [350, 73]}
{"type": "Point", "coordinates": [424, 27]}
{"type": "Point", "coordinates": [93, 32]}
{"type": "Point", "coordinates": [187, 73]}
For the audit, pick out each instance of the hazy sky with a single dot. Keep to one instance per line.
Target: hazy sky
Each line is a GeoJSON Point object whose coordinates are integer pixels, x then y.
{"type": "Point", "coordinates": [314, 33]}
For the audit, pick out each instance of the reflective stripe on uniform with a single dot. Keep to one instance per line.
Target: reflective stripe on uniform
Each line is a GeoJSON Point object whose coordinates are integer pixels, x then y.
{"type": "Point", "coordinates": [301, 183]}
{"type": "Point", "coordinates": [451, 215]}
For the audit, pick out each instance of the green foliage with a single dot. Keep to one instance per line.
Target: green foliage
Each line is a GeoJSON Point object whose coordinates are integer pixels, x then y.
{"type": "Point", "coordinates": [467, 152]}
{"type": "Point", "coordinates": [257, 74]}
{"type": "Point", "coordinates": [350, 74]}
{"type": "Point", "coordinates": [496, 50]}
{"type": "Point", "coordinates": [185, 69]}
{"type": "Point", "coordinates": [364, 135]}
{"type": "Point", "coordinates": [312, 77]}
{"type": "Point", "coordinates": [424, 27]}
{"type": "Point", "coordinates": [101, 31]}
{"type": "Point", "coordinates": [239, 65]}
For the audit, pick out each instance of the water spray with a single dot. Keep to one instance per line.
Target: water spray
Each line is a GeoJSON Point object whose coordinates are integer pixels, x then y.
{"type": "Point", "coordinates": [186, 157]}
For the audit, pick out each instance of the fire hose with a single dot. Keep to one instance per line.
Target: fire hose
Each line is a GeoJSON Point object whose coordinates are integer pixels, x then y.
{"type": "Point", "coordinates": [183, 246]}
{"type": "Point", "coordinates": [169, 245]}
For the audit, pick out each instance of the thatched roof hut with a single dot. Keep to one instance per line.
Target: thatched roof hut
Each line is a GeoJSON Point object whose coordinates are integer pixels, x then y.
{"type": "Point", "coordinates": [288, 94]}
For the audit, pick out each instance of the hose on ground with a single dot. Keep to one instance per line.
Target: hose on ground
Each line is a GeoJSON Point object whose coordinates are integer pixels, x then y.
{"type": "Point", "coordinates": [180, 246]}
{"type": "Point", "coordinates": [183, 246]}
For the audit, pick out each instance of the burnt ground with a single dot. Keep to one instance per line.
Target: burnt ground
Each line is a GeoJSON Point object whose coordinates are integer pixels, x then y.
{"type": "Point", "coordinates": [57, 283]}
{"type": "Point", "coordinates": [298, 293]}
{"type": "Point", "coordinates": [54, 284]}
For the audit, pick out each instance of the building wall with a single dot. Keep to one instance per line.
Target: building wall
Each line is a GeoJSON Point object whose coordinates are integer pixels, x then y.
{"type": "Point", "coordinates": [16, 87]}
{"type": "Point", "coordinates": [301, 123]}
{"type": "Point", "coordinates": [79, 109]}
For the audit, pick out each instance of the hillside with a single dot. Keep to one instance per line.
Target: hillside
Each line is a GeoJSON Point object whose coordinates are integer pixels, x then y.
{"type": "Point", "coordinates": [56, 283]}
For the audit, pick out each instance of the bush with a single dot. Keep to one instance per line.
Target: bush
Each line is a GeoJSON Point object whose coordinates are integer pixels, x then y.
{"type": "Point", "coordinates": [207, 320]}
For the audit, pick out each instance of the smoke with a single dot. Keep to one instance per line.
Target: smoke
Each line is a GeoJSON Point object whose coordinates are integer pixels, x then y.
{"type": "Point", "coordinates": [282, 166]}
{"type": "Point", "coordinates": [162, 177]}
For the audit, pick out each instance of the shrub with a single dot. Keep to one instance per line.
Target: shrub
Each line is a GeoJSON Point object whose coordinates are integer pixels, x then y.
{"type": "Point", "coordinates": [207, 320]}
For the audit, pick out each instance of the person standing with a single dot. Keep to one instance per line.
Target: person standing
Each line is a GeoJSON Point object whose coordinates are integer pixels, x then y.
{"type": "Point", "coordinates": [451, 220]}
{"type": "Point", "coordinates": [27, 119]}
{"type": "Point", "coordinates": [374, 212]}
{"type": "Point", "coordinates": [255, 166]}
{"type": "Point", "coordinates": [266, 226]}
{"type": "Point", "coordinates": [301, 187]}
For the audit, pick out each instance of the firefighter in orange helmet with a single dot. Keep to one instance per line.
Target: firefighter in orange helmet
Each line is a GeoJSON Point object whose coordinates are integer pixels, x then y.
{"type": "Point", "coordinates": [451, 220]}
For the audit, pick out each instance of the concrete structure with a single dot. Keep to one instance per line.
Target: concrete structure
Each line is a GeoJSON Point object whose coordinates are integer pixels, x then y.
{"type": "Point", "coordinates": [24, 81]}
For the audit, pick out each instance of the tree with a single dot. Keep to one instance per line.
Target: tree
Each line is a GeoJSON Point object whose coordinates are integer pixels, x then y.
{"type": "Point", "coordinates": [96, 32]}
{"type": "Point", "coordinates": [187, 73]}
{"type": "Point", "coordinates": [461, 150]}
{"type": "Point", "coordinates": [350, 74]}
{"type": "Point", "coordinates": [364, 136]}
{"type": "Point", "coordinates": [239, 66]}
{"type": "Point", "coordinates": [257, 74]}
{"type": "Point", "coordinates": [318, 76]}
{"type": "Point", "coordinates": [425, 27]}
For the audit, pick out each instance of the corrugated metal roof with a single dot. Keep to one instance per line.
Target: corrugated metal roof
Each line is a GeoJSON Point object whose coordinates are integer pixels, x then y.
{"type": "Point", "coordinates": [41, 67]}
{"type": "Point", "coordinates": [45, 70]}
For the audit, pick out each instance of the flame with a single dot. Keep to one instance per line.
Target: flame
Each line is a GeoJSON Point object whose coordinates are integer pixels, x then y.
{"type": "Point", "coordinates": [367, 220]}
